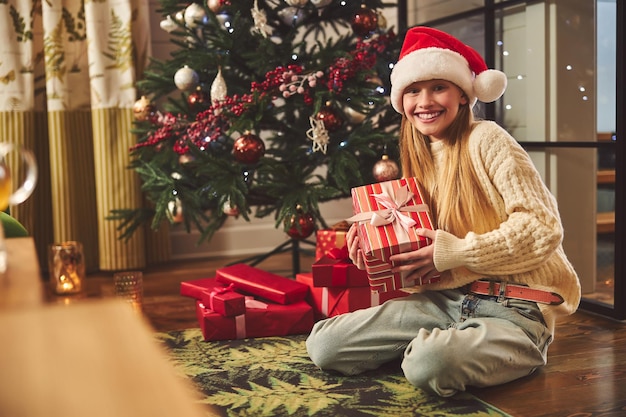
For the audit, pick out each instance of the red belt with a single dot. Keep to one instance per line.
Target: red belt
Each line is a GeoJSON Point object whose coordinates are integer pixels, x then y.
{"type": "Point", "coordinates": [518, 292]}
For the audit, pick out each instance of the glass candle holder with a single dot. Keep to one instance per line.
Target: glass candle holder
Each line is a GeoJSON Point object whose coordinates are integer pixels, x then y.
{"type": "Point", "coordinates": [66, 267]}
{"type": "Point", "coordinates": [129, 287]}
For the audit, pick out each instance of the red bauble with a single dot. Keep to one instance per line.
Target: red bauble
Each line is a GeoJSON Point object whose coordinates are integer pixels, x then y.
{"type": "Point", "coordinates": [248, 148]}
{"type": "Point", "coordinates": [306, 221]}
{"type": "Point", "coordinates": [365, 21]}
{"type": "Point", "coordinates": [331, 120]}
{"type": "Point", "coordinates": [198, 100]}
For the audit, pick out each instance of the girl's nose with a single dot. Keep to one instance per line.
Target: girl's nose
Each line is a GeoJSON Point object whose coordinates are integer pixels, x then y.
{"type": "Point", "coordinates": [425, 99]}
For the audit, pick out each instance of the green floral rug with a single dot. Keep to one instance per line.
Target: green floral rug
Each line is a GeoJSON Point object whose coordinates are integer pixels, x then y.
{"type": "Point", "coordinates": [274, 377]}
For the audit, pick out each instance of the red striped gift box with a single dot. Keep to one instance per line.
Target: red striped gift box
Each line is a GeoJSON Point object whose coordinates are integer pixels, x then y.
{"type": "Point", "coordinates": [388, 214]}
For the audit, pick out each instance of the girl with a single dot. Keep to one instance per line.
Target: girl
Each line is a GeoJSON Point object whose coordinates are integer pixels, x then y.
{"type": "Point", "coordinates": [497, 247]}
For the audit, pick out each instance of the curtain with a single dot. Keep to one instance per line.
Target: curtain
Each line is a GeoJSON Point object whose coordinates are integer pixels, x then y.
{"type": "Point", "coordinates": [67, 88]}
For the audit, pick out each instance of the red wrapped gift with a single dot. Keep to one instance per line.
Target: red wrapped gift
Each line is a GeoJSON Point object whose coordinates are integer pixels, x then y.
{"type": "Point", "coordinates": [215, 296]}
{"type": "Point", "coordinates": [336, 270]}
{"type": "Point", "coordinates": [388, 214]}
{"type": "Point", "coordinates": [263, 284]}
{"type": "Point", "coordinates": [327, 239]}
{"type": "Point", "coordinates": [261, 320]}
{"type": "Point", "coordinates": [332, 301]}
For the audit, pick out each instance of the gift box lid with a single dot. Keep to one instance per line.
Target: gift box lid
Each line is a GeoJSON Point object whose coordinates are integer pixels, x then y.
{"type": "Point", "coordinates": [265, 284]}
{"type": "Point", "coordinates": [194, 288]}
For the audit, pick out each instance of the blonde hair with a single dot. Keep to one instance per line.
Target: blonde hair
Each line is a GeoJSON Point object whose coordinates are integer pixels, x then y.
{"type": "Point", "coordinates": [457, 202]}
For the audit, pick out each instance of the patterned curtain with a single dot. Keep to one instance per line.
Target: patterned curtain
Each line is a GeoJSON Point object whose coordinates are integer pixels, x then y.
{"type": "Point", "coordinates": [67, 87]}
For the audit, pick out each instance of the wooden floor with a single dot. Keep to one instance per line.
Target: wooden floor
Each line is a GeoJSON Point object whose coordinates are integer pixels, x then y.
{"type": "Point", "coordinates": [585, 375]}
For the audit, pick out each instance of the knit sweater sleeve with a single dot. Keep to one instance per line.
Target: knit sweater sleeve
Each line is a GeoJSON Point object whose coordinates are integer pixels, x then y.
{"type": "Point", "coordinates": [530, 230]}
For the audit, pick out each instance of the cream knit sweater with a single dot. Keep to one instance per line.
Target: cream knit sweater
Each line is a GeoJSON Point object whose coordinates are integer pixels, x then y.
{"type": "Point", "coordinates": [527, 247]}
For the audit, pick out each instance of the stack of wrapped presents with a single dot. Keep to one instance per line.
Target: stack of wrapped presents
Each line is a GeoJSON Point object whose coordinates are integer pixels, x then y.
{"type": "Point", "coordinates": [243, 301]}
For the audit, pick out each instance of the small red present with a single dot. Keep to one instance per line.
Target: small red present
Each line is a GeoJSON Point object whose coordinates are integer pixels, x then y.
{"type": "Point", "coordinates": [337, 270]}
{"type": "Point", "coordinates": [328, 239]}
{"type": "Point", "coordinates": [260, 320]}
{"type": "Point", "coordinates": [332, 301]}
{"type": "Point", "coordinates": [388, 214]}
{"type": "Point", "coordinates": [214, 295]}
{"type": "Point", "coordinates": [264, 284]}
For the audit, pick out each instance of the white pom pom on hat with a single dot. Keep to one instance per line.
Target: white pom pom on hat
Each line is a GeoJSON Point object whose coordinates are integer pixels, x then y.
{"type": "Point", "coordinates": [429, 54]}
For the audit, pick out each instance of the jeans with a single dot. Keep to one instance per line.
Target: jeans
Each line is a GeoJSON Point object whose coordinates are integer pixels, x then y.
{"type": "Point", "coordinates": [447, 340]}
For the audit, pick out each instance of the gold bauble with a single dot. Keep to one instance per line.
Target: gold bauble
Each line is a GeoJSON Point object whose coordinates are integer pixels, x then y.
{"type": "Point", "coordinates": [175, 211]}
{"type": "Point", "coordinates": [143, 109]}
{"type": "Point", "coordinates": [385, 169]}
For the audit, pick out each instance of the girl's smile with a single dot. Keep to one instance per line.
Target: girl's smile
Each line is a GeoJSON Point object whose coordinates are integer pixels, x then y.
{"type": "Point", "coordinates": [431, 106]}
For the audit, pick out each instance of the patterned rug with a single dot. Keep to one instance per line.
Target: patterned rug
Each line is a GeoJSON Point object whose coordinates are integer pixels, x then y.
{"type": "Point", "coordinates": [274, 377]}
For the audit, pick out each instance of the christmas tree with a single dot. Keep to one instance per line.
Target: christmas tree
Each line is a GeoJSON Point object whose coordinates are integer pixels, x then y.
{"type": "Point", "coordinates": [267, 107]}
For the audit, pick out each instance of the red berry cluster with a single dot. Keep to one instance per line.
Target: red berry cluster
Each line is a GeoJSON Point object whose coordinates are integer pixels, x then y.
{"type": "Point", "coordinates": [274, 78]}
{"type": "Point", "coordinates": [362, 58]}
{"type": "Point", "coordinates": [169, 124]}
{"type": "Point", "coordinates": [287, 81]}
{"type": "Point", "coordinates": [214, 121]}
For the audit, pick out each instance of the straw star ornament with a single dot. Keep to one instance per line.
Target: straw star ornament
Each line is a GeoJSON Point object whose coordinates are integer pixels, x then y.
{"type": "Point", "coordinates": [319, 135]}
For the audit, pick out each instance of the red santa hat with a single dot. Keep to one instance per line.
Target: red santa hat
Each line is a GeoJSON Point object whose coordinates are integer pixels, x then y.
{"type": "Point", "coordinates": [429, 54]}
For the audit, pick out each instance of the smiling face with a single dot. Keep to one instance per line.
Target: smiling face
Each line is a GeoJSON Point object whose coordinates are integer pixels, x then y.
{"type": "Point", "coordinates": [431, 106]}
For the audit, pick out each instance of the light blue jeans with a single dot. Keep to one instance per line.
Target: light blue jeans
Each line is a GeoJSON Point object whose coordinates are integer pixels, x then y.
{"type": "Point", "coordinates": [448, 340]}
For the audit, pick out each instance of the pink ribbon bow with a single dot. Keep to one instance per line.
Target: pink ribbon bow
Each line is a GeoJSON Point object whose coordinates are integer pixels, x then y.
{"type": "Point", "coordinates": [219, 290]}
{"type": "Point", "coordinates": [383, 217]}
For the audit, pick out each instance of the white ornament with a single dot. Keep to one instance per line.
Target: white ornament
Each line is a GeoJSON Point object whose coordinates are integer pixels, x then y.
{"type": "Point", "coordinates": [195, 15]}
{"type": "Point", "coordinates": [168, 24]}
{"type": "Point", "coordinates": [186, 79]}
{"type": "Point", "coordinates": [218, 88]}
{"type": "Point", "coordinates": [318, 134]}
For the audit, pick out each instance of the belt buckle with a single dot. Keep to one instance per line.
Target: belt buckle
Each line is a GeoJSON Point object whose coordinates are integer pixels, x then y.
{"type": "Point", "coordinates": [501, 293]}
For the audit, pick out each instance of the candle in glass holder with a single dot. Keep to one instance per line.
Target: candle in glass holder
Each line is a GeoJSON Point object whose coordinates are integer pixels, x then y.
{"type": "Point", "coordinates": [66, 267]}
{"type": "Point", "coordinates": [129, 287]}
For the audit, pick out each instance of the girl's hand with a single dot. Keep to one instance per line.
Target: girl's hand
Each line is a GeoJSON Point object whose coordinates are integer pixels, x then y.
{"type": "Point", "coordinates": [354, 248]}
{"type": "Point", "coordinates": [418, 263]}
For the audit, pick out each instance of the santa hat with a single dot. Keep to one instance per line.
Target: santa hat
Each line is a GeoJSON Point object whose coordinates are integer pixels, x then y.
{"type": "Point", "coordinates": [429, 54]}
